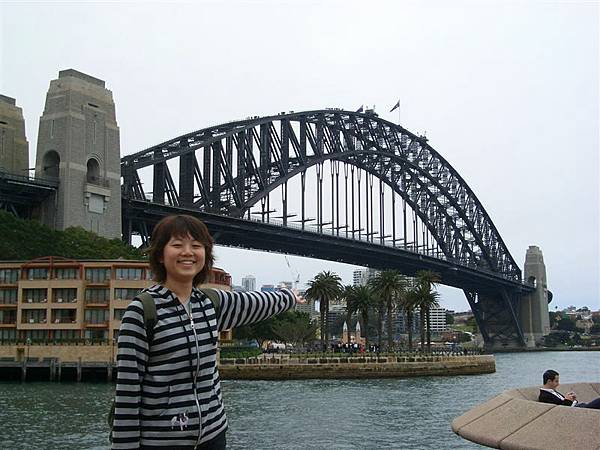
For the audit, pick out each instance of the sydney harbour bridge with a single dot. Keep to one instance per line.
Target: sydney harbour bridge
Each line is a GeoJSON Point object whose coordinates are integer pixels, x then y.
{"type": "Point", "coordinates": [336, 185]}
{"type": "Point", "coordinates": [330, 184]}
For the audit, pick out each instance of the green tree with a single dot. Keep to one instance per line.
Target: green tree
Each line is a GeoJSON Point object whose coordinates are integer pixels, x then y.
{"type": "Point", "coordinates": [566, 324]}
{"type": "Point", "coordinates": [361, 297]}
{"type": "Point", "coordinates": [325, 287]}
{"type": "Point", "coordinates": [390, 287]}
{"type": "Point", "coordinates": [29, 239]}
{"type": "Point", "coordinates": [350, 308]}
{"type": "Point", "coordinates": [409, 304]}
{"type": "Point", "coordinates": [426, 281]}
{"type": "Point", "coordinates": [294, 327]}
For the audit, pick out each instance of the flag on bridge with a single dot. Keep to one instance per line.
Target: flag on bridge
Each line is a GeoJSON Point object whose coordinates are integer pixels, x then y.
{"type": "Point", "coordinates": [396, 106]}
{"type": "Point", "coordinates": [360, 109]}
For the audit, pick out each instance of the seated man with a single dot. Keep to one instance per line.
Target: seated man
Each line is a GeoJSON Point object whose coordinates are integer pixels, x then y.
{"type": "Point", "coordinates": [549, 394]}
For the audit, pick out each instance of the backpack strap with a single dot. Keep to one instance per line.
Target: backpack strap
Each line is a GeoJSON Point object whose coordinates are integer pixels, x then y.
{"type": "Point", "coordinates": [149, 314]}
{"type": "Point", "coordinates": [213, 296]}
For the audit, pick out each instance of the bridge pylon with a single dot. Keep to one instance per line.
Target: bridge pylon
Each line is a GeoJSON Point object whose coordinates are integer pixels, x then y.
{"type": "Point", "coordinates": [535, 319]}
{"type": "Point", "coordinates": [78, 146]}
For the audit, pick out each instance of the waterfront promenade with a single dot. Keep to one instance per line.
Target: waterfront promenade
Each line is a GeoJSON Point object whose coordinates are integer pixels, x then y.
{"type": "Point", "coordinates": [264, 367]}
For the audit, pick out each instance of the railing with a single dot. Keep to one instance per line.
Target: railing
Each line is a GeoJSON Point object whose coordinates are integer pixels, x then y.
{"type": "Point", "coordinates": [70, 320]}
{"type": "Point", "coordinates": [96, 302]}
{"type": "Point", "coordinates": [10, 301]}
{"type": "Point", "coordinates": [362, 237]}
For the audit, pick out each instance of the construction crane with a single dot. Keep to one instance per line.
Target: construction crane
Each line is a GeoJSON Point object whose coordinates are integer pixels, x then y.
{"type": "Point", "coordinates": [295, 273]}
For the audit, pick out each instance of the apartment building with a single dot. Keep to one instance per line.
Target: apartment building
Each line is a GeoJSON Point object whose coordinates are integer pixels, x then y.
{"type": "Point", "coordinates": [55, 299]}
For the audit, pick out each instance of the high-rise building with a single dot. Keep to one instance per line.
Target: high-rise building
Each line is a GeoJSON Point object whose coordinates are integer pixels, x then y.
{"type": "Point", "coordinates": [437, 320]}
{"type": "Point", "coordinates": [249, 283]}
{"type": "Point", "coordinates": [268, 288]}
{"type": "Point", "coordinates": [286, 284]}
{"type": "Point", "coordinates": [361, 277]}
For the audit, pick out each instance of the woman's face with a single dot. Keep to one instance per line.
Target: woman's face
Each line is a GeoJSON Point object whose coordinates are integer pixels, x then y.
{"type": "Point", "coordinates": [183, 258]}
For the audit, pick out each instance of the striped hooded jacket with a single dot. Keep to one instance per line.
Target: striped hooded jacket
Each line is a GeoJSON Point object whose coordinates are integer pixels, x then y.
{"type": "Point", "coordinates": [168, 391]}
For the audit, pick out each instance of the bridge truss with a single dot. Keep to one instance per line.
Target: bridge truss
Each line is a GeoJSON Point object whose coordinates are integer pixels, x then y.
{"type": "Point", "coordinates": [353, 179]}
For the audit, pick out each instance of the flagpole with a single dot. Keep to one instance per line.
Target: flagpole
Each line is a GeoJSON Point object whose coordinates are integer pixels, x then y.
{"type": "Point", "coordinates": [399, 108]}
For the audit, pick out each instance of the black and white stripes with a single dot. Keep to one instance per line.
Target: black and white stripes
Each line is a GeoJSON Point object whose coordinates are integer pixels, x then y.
{"type": "Point", "coordinates": [169, 392]}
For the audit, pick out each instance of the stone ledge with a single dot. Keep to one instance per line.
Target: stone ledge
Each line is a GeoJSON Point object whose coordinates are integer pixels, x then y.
{"type": "Point", "coordinates": [515, 420]}
{"type": "Point", "coordinates": [314, 369]}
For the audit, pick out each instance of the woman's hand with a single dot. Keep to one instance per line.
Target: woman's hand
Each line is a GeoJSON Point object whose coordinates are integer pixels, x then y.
{"type": "Point", "coordinates": [299, 299]}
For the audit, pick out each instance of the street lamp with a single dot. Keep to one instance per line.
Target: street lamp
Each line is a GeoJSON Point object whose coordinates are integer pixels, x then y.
{"type": "Point", "coordinates": [28, 343]}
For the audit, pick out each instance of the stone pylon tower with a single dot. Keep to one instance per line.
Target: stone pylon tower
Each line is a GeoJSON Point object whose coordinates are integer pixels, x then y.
{"type": "Point", "coordinates": [14, 148]}
{"type": "Point", "coordinates": [535, 319]}
{"type": "Point", "coordinates": [78, 144]}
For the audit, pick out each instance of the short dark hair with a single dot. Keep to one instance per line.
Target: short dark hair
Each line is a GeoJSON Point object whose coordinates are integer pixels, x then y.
{"type": "Point", "coordinates": [550, 375]}
{"type": "Point", "coordinates": [179, 226]}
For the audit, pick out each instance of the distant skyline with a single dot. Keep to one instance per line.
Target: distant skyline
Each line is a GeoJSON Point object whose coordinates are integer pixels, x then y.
{"type": "Point", "coordinates": [506, 91]}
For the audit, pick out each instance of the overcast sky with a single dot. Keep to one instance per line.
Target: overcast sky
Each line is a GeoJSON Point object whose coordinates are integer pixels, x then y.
{"type": "Point", "coordinates": [507, 92]}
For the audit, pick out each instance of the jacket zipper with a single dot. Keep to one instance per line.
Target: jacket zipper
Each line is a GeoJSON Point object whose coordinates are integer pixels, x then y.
{"type": "Point", "coordinates": [196, 376]}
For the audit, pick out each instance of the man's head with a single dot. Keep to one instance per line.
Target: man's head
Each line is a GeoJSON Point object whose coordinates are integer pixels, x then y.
{"type": "Point", "coordinates": [551, 378]}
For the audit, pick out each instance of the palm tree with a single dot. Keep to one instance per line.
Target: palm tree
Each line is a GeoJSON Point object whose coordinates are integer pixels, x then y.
{"type": "Point", "coordinates": [426, 280]}
{"type": "Point", "coordinates": [409, 303]}
{"type": "Point", "coordinates": [350, 307]}
{"type": "Point", "coordinates": [326, 286]}
{"type": "Point", "coordinates": [362, 300]}
{"type": "Point", "coordinates": [390, 286]}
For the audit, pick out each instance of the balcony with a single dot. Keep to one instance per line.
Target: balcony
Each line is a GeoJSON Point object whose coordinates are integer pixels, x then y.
{"type": "Point", "coordinates": [12, 302]}
{"type": "Point", "coordinates": [35, 300]}
{"type": "Point", "coordinates": [96, 303]}
{"type": "Point", "coordinates": [103, 324]}
{"type": "Point", "coordinates": [63, 320]}
{"type": "Point", "coordinates": [99, 282]}
{"type": "Point", "coordinates": [33, 321]}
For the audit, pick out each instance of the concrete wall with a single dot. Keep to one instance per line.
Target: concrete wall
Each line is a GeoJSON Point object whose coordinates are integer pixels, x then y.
{"type": "Point", "coordinates": [14, 148]}
{"type": "Point", "coordinates": [535, 319]}
{"type": "Point", "coordinates": [515, 420]}
{"type": "Point", "coordinates": [338, 368]}
{"type": "Point", "coordinates": [65, 353]}
{"type": "Point", "coordinates": [78, 126]}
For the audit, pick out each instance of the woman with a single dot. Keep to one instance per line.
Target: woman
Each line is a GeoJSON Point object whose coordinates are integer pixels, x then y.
{"type": "Point", "coordinates": [168, 388]}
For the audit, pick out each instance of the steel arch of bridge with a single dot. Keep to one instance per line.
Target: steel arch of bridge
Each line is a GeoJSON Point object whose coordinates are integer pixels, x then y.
{"type": "Point", "coordinates": [230, 168]}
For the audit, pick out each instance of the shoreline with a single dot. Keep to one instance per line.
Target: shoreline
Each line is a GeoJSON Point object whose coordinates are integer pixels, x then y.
{"type": "Point", "coordinates": [361, 368]}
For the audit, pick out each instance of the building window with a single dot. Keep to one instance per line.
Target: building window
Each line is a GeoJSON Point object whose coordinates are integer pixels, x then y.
{"type": "Point", "coordinates": [97, 295]}
{"type": "Point", "coordinates": [36, 335]}
{"type": "Point", "coordinates": [96, 316]}
{"type": "Point", "coordinates": [66, 335]}
{"type": "Point", "coordinates": [8, 334]}
{"type": "Point", "coordinates": [37, 273]}
{"type": "Point", "coordinates": [65, 295]}
{"type": "Point", "coordinates": [35, 295]}
{"type": "Point", "coordinates": [97, 275]}
{"type": "Point", "coordinates": [119, 314]}
{"type": "Point", "coordinates": [128, 273]}
{"type": "Point", "coordinates": [8, 296]}
{"type": "Point", "coordinates": [65, 316]}
{"type": "Point", "coordinates": [34, 316]}
{"type": "Point", "coordinates": [52, 128]}
{"type": "Point", "coordinates": [9, 276]}
{"type": "Point", "coordinates": [70, 273]}
{"type": "Point", "coordinates": [96, 335]}
{"type": "Point", "coordinates": [8, 316]}
{"type": "Point", "coordinates": [125, 294]}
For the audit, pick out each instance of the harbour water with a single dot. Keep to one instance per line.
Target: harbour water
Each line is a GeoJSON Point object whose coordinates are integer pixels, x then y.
{"type": "Point", "coordinates": [413, 413]}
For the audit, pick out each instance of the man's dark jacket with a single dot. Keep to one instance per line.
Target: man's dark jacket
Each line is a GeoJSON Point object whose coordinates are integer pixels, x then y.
{"type": "Point", "coordinates": [547, 397]}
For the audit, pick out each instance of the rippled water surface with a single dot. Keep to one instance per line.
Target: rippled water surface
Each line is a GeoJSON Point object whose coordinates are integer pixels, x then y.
{"type": "Point", "coordinates": [309, 415]}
